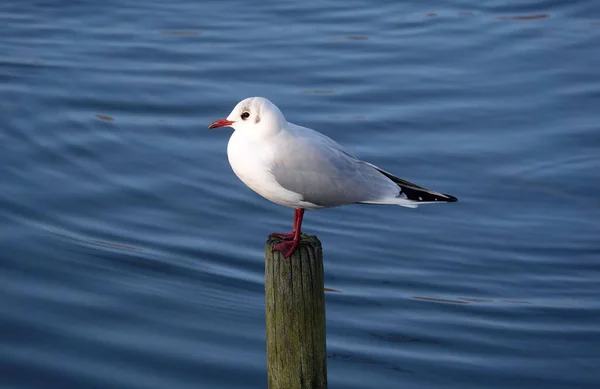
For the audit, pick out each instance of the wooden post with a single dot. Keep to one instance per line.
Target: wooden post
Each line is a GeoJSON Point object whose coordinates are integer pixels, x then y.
{"type": "Point", "coordinates": [295, 308]}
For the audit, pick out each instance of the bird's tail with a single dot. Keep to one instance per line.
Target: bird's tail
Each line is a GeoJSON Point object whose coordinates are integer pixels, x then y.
{"type": "Point", "coordinates": [412, 195]}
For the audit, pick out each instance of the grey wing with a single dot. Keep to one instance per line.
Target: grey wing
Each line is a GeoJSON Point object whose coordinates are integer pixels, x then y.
{"type": "Point", "coordinates": [326, 175]}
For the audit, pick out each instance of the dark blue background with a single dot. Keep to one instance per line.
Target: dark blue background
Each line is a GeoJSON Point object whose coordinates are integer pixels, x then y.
{"type": "Point", "coordinates": [132, 257]}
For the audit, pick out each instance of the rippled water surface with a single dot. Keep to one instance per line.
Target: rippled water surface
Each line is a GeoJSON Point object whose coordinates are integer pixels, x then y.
{"type": "Point", "coordinates": [132, 257]}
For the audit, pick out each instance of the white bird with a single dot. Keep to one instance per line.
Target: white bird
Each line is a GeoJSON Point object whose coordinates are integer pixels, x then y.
{"type": "Point", "coordinates": [304, 169]}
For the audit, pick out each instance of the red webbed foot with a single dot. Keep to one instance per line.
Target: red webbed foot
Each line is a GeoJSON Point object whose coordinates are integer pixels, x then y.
{"type": "Point", "coordinates": [291, 239]}
{"type": "Point", "coordinates": [283, 235]}
{"type": "Point", "coordinates": [287, 247]}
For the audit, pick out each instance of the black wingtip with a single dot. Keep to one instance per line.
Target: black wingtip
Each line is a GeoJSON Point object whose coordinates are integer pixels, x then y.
{"type": "Point", "coordinates": [451, 199]}
{"type": "Point", "coordinates": [418, 193]}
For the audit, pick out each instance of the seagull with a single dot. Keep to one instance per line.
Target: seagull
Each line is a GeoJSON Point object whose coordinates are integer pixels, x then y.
{"type": "Point", "coordinates": [301, 168]}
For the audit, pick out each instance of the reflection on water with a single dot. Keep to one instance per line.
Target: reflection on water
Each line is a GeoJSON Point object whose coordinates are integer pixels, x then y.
{"type": "Point", "coordinates": [352, 359]}
{"type": "Point", "coordinates": [439, 300]}
{"type": "Point", "coordinates": [116, 245]}
{"type": "Point", "coordinates": [105, 118]}
{"type": "Point", "coordinates": [468, 300]}
{"type": "Point", "coordinates": [182, 33]}
{"type": "Point", "coordinates": [402, 339]}
{"type": "Point", "coordinates": [525, 17]}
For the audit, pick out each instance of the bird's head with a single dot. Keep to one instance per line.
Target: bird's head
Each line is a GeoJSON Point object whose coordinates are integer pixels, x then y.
{"type": "Point", "coordinates": [254, 116]}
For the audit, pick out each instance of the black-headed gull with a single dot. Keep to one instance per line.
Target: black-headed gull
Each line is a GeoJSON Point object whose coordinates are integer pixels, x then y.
{"type": "Point", "coordinates": [304, 169]}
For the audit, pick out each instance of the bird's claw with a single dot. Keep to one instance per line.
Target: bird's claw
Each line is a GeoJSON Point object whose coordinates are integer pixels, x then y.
{"type": "Point", "coordinates": [283, 235]}
{"type": "Point", "coordinates": [287, 247]}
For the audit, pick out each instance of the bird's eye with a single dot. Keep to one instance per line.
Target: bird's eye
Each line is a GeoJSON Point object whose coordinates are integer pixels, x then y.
{"type": "Point", "coordinates": [245, 115]}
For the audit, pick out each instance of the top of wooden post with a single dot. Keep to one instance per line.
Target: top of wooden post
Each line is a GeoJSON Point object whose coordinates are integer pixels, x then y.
{"type": "Point", "coordinates": [306, 240]}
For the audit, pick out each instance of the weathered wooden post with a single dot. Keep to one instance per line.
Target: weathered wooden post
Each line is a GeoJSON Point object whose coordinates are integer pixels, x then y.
{"type": "Point", "coordinates": [295, 308]}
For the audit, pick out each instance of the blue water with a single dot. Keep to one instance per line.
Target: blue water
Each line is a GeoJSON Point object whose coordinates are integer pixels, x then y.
{"type": "Point", "coordinates": [132, 257]}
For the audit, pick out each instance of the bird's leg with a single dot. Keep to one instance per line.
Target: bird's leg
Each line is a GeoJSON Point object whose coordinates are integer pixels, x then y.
{"type": "Point", "coordinates": [287, 235]}
{"type": "Point", "coordinates": [287, 247]}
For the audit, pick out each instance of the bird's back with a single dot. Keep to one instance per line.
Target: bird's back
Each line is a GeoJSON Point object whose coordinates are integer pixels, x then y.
{"type": "Point", "coordinates": [323, 172]}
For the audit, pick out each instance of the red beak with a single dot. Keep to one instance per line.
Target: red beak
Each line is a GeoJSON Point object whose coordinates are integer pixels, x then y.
{"type": "Point", "coordinates": [221, 123]}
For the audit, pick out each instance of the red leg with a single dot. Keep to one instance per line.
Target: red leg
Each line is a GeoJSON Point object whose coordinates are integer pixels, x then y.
{"type": "Point", "coordinates": [287, 247]}
{"type": "Point", "coordinates": [286, 235]}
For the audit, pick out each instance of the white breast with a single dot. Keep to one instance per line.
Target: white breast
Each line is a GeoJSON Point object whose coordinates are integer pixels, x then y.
{"type": "Point", "coordinates": [251, 161]}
